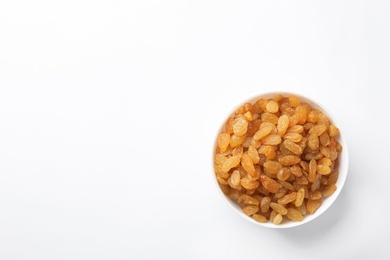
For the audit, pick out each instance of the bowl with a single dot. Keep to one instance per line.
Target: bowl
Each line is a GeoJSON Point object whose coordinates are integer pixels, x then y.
{"type": "Point", "coordinates": [343, 160]}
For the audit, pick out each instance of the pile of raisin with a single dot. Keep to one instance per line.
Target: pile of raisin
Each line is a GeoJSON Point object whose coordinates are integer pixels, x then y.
{"type": "Point", "coordinates": [277, 158]}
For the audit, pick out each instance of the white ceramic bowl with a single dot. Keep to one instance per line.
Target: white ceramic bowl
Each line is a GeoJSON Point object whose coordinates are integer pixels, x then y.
{"type": "Point", "coordinates": [343, 164]}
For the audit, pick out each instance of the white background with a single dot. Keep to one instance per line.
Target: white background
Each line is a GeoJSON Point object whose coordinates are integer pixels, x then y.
{"type": "Point", "coordinates": [108, 111]}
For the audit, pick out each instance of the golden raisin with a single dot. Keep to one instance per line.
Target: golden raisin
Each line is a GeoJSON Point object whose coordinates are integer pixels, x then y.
{"type": "Point", "coordinates": [269, 117]}
{"type": "Point", "coordinates": [300, 197]}
{"type": "Point", "coordinates": [230, 163]}
{"type": "Point", "coordinates": [250, 210]}
{"type": "Point", "coordinates": [223, 141]}
{"type": "Point", "coordinates": [333, 131]}
{"type": "Point", "coordinates": [272, 139]}
{"type": "Point", "coordinates": [294, 101]}
{"type": "Point", "coordinates": [278, 208]}
{"type": "Point", "coordinates": [247, 164]}
{"type": "Point", "coordinates": [287, 198]}
{"type": "Point", "coordinates": [313, 205]}
{"type": "Point", "coordinates": [277, 158]}
{"type": "Point", "coordinates": [293, 147]}
{"type": "Point", "coordinates": [259, 218]}
{"type": "Point", "coordinates": [288, 160]}
{"type": "Point", "coordinates": [269, 184]}
{"type": "Point", "coordinates": [294, 214]}
{"type": "Point", "coordinates": [240, 126]}
{"type": "Point", "coordinates": [283, 123]}
{"type": "Point", "coordinates": [262, 132]}
{"type": "Point", "coordinates": [272, 106]}
{"type": "Point", "coordinates": [272, 166]}
{"type": "Point", "coordinates": [236, 140]}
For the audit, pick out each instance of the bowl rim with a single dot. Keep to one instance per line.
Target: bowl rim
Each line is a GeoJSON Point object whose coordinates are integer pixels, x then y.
{"type": "Point", "coordinates": [342, 167]}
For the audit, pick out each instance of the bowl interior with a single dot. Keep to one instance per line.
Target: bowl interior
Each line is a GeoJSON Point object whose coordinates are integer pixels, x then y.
{"type": "Point", "coordinates": [343, 164]}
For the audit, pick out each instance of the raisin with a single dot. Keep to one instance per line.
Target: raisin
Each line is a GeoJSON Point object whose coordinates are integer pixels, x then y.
{"type": "Point", "coordinates": [288, 160]}
{"type": "Point", "coordinates": [250, 210]}
{"type": "Point", "coordinates": [278, 208]}
{"type": "Point", "coordinates": [272, 139]}
{"type": "Point", "coordinates": [293, 147]}
{"type": "Point", "coordinates": [259, 218]}
{"type": "Point", "coordinates": [269, 184]}
{"type": "Point", "coordinates": [223, 141]}
{"type": "Point", "coordinates": [283, 123]}
{"type": "Point", "coordinates": [247, 164]}
{"type": "Point", "coordinates": [272, 166]}
{"type": "Point", "coordinates": [287, 198]}
{"type": "Point", "coordinates": [300, 197]}
{"type": "Point", "coordinates": [313, 205]}
{"type": "Point", "coordinates": [294, 214]}
{"type": "Point", "coordinates": [294, 101]}
{"type": "Point", "coordinates": [272, 106]}
{"type": "Point", "coordinates": [240, 126]}
{"type": "Point", "coordinates": [264, 204]}
{"type": "Point", "coordinates": [230, 163]}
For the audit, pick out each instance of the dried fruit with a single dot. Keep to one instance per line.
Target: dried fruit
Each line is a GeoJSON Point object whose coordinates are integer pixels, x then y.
{"type": "Point", "coordinates": [268, 151]}
{"type": "Point", "coordinates": [250, 210]}
{"type": "Point", "coordinates": [295, 137]}
{"type": "Point", "coordinates": [220, 159]}
{"type": "Point", "coordinates": [277, 219]}
{"type": "Point", "coordinates": [283, 123]}
{"type": "Point", "coordinates": [278, 208]}
{"type": "Point", "coordinates": [272, 166]}
{"type": "Point", "coordinates": [236, 140]}
{"type": "Point", "coordinates": [235, 178]}
{"type": "Point", "coordinates": [300, 197]}
{"type": "Point", "coordinates": [313, 205]}
{"type": "Point", "coordinates": [268, 117]}
{"type": "Point", "coordinates": [329, 190]}
{"type": "Point", "coordinates": [312, 170]}
{"type": "Point", "coordinates": [259, 218]}
{"type": "Point", "coordinates": [295, 129]}
{"type": "Point", "coordinates": [248, 200]}
{"type": "Point", "coordinates": [323, 169]}
{"type": "Point", "coordinates": [287, 198]}
{"type": "Point", "coordinates": [315, 195]}
{"type": "Point", "coordinates": [288, 160]}
{"type": "Point", "coordinates": [316, 183]}
{"type": "Point", "coordinates": [294, 214]}
{"type": "Point", "coordinates": [269, 184]}
{"type": "Point", "coordinates": [296, 170]}
{"type": "Point", "coordinates": [312, 117]}
{"type": "Point", "coordinates": [283, 174]}
{"type": "Point", "coordinates": [324, 139]}
{"type": "Point", "coordinates": [240, 126]}
{"type": "Point", "coordinates": [313, 142]}
{"type": "Point", "coordinates": [333, 131]}
{"type": "Point", "coordinates": [272, 106]}
{"type": "Point", "coordinates": [333, 177]}
{"type": "Point", "coordinates": [294, 101]}
{"type": "Point", "coordinates": [263, 131]}
{"type": "Point", "coordinates": [249, 184]}
{"type": "Point", "coordinates": [293, 120]}
{"type": "Point", "coordinates": [272, 139]}
{"type": "Point", "coordinates": [247, 164]}
{"type": "Point", "coordinates": [229, 126]}
{"type": "Point", "coordinates": [317, 130]}
{"type": "Point", "coordinates": [277, 158]}
{"type": "Point", "coordinates": [223, 141]}
{"type": "Point", "coordinates": [293, 147]}
{"type": "Point", "coordinates": [253, 154]}
{"type": "Point", "coordinates": [264, 204]}
{"type": "Point", "coordinates": [230, 163]}
{"type": "Point", "coordinates": [302, 113]}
